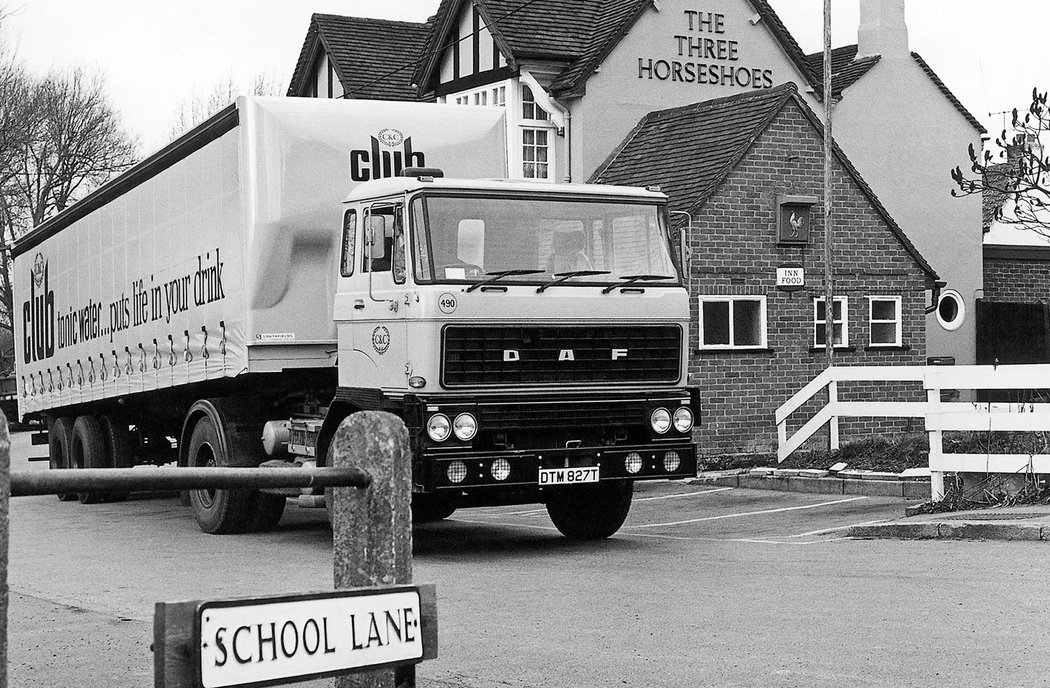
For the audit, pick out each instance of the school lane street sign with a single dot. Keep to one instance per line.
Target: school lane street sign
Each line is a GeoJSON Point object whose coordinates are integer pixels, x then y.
{"type": "Point", "coordinates": [284, 639]}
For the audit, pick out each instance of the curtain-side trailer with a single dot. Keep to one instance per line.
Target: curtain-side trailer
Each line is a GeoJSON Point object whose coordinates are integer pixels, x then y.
{"type": "Point", "coordinates": [226, 303]}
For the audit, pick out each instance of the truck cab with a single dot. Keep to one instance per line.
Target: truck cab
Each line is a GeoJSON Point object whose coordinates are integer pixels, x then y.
{"type": "Point", "coordinates": [532, 336]}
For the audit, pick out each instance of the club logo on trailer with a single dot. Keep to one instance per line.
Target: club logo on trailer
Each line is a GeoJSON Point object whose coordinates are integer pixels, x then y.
{"type": "Point", "coordinates": [377, 163]}
{"type": "Point", "coordinates": [380, 340]}
{"type": "Point", "coordinates": [38, 315]}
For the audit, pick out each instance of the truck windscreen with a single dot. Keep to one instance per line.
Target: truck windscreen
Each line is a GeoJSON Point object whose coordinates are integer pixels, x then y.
{"type": "Point", "coordinates": [464, 238]}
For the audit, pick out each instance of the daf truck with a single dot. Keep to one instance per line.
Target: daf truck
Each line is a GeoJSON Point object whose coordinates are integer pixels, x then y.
{"type": "Point", "coordinates": [231, 299]}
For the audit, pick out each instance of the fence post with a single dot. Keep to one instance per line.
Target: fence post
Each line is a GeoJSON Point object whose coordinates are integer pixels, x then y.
{"type": "Point", "coordinates": [833, 400]}
{"type": "Point", "coordinates": [372, 528]}
{"type": "Point", "coordinates": [5, 539]}
{"type": "Point", "coordinates": [933, 403]}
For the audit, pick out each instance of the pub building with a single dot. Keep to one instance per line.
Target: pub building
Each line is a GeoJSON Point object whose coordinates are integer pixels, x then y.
{"type": "Point", "coordinates": [714, 102]}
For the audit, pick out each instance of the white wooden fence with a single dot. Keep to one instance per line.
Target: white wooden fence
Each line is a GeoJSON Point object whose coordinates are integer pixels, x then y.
{"type": "Point", "coordinates": [938, 416]}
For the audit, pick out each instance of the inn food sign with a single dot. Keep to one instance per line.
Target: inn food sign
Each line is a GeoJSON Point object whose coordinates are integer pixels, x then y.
{"type": "Point", "coordinates": [704, 53]}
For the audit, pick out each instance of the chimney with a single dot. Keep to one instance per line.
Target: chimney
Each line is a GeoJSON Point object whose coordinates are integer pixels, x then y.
{"type": "Point", "coordinates": [883, 30]}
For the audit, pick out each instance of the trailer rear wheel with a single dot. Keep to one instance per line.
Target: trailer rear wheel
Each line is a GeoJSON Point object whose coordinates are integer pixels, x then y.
{"type": "Point", "coordinates": [88, 450]}
{"type": "Point", "coordinates": [119, 449]}
{"type": "Point", "coordinates": [590, 512]}
{"type": "Point", "coordinates": [60, 436]}
{"type": "Point", "coordinates": [266, 512]}
{"type": "Point", "coordinates": [216, 511]}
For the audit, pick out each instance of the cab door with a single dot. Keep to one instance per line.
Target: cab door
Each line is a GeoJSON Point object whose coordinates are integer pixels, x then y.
{"type": "Point", "coordinates": [378, 319]}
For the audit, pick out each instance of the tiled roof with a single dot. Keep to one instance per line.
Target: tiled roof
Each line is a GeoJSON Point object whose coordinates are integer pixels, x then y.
{"type": "Point", "coordinates": [689, 151]}
{"type": "Point", "coordinates": [578, 34]}
{"type": "Point", "coordinates": [374, 58]}
{"type": "Point", "coordinates": [847, 70]}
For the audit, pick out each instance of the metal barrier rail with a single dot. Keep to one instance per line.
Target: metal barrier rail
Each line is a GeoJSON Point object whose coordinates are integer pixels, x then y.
{"type": "Point", "coordinates": [371, 535]}
{"type": "Point", "coordinates": [25, 483]}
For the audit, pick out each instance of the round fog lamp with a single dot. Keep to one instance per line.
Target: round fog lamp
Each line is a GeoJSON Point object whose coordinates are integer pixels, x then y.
{"type": "Point", "coordinates": [633, 462]}
{"type": "Point", "coordinates": [671, 461]}
{"type": "Point", "coordinates": [438, 427]}
{"type": "Point", "coordinates": [500, 469]}
{"type": "Point", "coordinates": [457, 472]}
{"type": "Point", "coordinates": [465, 427]}
{"type": "Point", "coordinates": [683, 419]}
{"type": "Point", "coordinates": [660, 420]}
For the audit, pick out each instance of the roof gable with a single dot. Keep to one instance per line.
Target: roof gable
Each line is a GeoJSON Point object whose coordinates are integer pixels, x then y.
{"type": "Point", "coordinates": [374, 58]}
{"type": "Point", "coordinates": [847, 70]}
{"type": "Point", "coordinates": [578, 34]}
{"type": "Point", "coordinates": [690, 151]}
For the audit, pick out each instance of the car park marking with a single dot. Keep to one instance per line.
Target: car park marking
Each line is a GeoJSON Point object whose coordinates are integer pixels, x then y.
{"type": "Point", "coordinates": [658, 536]}
{"type": "Point", "coordinates": [684, 494]}
{"type": "Point", "coordinates": [747, 513]}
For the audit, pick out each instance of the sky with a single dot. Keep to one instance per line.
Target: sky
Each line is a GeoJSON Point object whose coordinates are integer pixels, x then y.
{"type": "Point", "coordinates": [156, 54]}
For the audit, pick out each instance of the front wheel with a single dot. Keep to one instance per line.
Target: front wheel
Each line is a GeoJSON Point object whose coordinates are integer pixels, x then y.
{"type": "Point", "coordinates": [590, 512]}
{"type": "Point", "coordinates": [216, 511]}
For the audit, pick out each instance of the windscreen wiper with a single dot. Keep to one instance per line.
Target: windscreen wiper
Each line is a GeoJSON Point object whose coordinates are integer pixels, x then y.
{"type": "Point", "coordinates": [563, 276]}
{"type": "Point", "coordinates": [631, 279]}
{"type": "Point", "coordinates": [496, 276]}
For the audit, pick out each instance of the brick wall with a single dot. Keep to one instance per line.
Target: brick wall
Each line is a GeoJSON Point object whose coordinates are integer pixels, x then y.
{"type": "Point", "coordinates": [1016, 280]}
{"type": "Point", "coordinates": [734, 251]}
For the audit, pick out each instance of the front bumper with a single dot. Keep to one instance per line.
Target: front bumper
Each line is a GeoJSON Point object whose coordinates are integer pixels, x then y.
{"type": "Point", "coordinates": [654, 461]}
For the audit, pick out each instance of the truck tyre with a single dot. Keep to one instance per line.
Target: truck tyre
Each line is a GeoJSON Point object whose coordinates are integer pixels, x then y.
{"type": "Point", "coordinates": [266, 512]}
{"type": "Point", "coordinates": [59, 438]}
{"type": "Point", "coordinates": [216, 511]}
{"type": "Point", "coordinates": [590, 512]}
{"type": "Point", "coordinates": [427, 508]}
{"type": "Point", "coordinates": [119, 449]}
{"type": "Point", "coordinates": [88, 450]}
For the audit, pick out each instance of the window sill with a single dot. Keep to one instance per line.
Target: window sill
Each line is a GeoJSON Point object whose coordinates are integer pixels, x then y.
{"type": "Point", "coordinates": [887, 347]}
{"type": "Point", "coordinates": [737, 350]}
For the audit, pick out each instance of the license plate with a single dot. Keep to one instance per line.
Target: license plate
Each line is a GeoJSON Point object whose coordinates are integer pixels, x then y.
{"type": "Point", "coordinates": [568, 476]}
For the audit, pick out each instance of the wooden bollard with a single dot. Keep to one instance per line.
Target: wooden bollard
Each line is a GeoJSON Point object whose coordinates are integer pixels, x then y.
{"type": "Point", "coordinates": [372, 528]}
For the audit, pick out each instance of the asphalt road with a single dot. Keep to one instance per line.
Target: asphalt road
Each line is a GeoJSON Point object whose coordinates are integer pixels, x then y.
{"type": "Point", "coordinates": [702, 587]}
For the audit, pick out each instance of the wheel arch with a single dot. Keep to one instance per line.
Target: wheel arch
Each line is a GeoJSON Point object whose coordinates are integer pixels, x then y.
{"type": "Point", "coordinates": [234, 420]}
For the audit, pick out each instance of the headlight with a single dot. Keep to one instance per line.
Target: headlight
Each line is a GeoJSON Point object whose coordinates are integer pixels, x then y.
{"type": "Point", "coordinates": [500, 469]}
{"type": "Point", "coordinates": [465, 427]}
{"type": "Point", "coordinates": [683, 419]}
{"type": "Point", "coordinates": [660, 420]}
{"type": "Point", "coordinates": [671, 461]}
{"type": "Point", "coordinates": [633, 462]}
{"type": "Point", "coordinates": [438, 427]}
{"type": "Point", "coordinates": [457, 472]}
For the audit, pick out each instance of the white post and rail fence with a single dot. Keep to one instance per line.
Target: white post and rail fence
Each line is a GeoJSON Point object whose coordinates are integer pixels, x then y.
{"type": "Point", "coordinates": [369, 632]}
{"type": "Point", "coordinates": [1031, 415]}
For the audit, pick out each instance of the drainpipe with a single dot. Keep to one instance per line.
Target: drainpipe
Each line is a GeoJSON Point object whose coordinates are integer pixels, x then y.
{"type": "Point", "coordinates": [560, 115]}
{"type": "Point", "coordinates": [935, 296]}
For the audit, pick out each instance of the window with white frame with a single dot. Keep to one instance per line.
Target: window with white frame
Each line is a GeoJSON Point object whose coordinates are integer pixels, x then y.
{"type": "Point", "coordinates": [840, 323]}
{"type": "Point", "coordinates": [732, 322]}
{"type": "Point", "coordinates": [462, 100]}
{"type": "Point", "coordinates": [884, 320]}
{"type": "Point", "coordinates": [529, 109]}
{"type": "Point", "coordinates": [535, 153]}
{"type": "Point", "coordinates": [499, 96]}
{"type": "Point", "coordinates": [481, 98]}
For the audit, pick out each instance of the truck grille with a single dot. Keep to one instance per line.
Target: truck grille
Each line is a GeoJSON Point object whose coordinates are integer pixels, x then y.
{"type": "Point", "coordinates": [522, 356]}
{"type": "Point", "coordinates": [536, 416]}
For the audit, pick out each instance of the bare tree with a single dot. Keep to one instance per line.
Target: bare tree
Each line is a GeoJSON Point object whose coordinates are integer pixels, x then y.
{"type": "Point", "coordinates": [1017, 178]}
{"type": "Point", "coordinates": [195, 109]}
{"type": "Point", "coordinates": [59, 140]}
